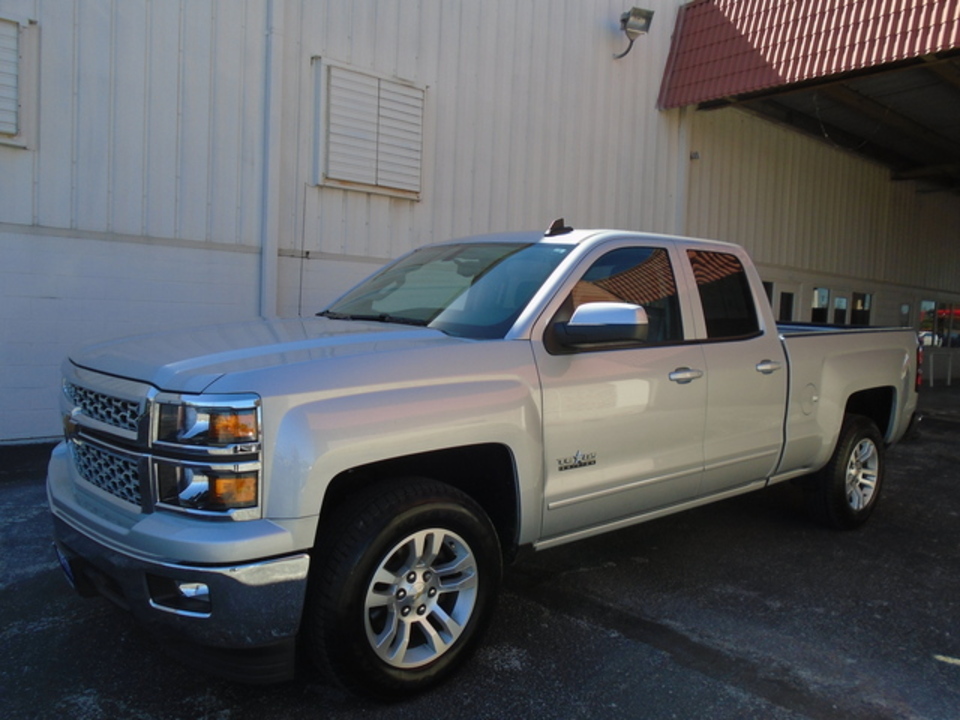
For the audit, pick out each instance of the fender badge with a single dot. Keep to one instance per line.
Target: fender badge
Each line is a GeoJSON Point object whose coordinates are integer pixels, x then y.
{"type": "Point", "coordinates": [578, 460]}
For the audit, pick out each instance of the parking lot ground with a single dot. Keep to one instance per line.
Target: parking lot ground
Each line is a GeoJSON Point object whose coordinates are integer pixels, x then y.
{"type": "Point", "coordinates": [742, 609]}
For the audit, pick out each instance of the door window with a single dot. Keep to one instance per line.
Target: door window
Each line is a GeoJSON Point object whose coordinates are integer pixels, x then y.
{"type": "Point", "coordinates": [637, 275]}
{"type": "Point", "coordinates": [724, 289]}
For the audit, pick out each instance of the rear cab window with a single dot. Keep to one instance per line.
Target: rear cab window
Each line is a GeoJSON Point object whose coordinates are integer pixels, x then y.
{"type": "Point", "coordinates": [725, 296]}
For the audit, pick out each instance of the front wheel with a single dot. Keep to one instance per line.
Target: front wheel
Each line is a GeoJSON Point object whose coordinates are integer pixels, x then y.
{"type": "Point", "coordinates": [844, 494]}
{"type": "Point", "coordinates": [405, 581]}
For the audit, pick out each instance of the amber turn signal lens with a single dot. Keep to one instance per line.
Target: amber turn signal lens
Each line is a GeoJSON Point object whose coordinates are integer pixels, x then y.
{"type": "Point", "coordinates": [233, 426]}
{"type": "Point", "coordinates": [234, 491]}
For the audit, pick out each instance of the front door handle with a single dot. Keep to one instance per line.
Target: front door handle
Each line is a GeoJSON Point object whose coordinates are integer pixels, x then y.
{"type": "Point", "coordinates": [768, 367]}
{"type": "Point", "coordinates": [683, 375]}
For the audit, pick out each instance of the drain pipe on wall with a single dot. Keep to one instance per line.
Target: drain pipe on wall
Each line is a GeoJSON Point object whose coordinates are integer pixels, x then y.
{"type": "Point", "coordinates": [270, 176]}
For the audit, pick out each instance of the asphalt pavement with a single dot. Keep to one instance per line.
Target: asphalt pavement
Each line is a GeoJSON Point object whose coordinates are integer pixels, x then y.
{"type": "Point", "coordinates": [742, 609]}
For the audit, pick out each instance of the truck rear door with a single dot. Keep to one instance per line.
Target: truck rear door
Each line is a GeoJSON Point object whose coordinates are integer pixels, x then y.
{"type": "Point", "coordinates": [746, 374]}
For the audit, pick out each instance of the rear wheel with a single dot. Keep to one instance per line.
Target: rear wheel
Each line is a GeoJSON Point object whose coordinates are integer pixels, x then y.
{"type": "Point", "coordinates": [403, 585]}
{"type": "Point", "coordinates": [844, 494]}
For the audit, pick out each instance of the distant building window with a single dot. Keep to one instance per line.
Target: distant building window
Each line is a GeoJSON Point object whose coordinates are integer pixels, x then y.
{"type": "Point", "coordinates": [905, 315]}
{"type": "Point", "coordinates": [820, 306]}
{"type": "Point", "coordinates": [840, 311]}
{"type": "Point", "coordinates": [786, 307]}
{"type": "Point", "coordinates": [9, 78]}
{"type": "Point", "coordinates": [371, 132]}
{"type": "Point", "coordinates": [860, 314]}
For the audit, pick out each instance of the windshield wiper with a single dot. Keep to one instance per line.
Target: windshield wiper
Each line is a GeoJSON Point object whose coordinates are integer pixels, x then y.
{"type": "Point", "coordinates": [378, 317]}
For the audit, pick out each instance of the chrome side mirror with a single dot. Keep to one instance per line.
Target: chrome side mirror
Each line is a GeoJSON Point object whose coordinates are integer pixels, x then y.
{"type": "Point", "coordinates": [603, 322]}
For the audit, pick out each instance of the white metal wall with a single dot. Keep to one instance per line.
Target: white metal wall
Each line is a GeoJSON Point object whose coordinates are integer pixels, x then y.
{"type": "Point", "coordinates": [151, 120]}
{"type": "Point", "coordinates": [527, 118]}
{"type": "Point", "coordinates": [136, 204]}
{"type": "Point", "coordinates": [170, 177]}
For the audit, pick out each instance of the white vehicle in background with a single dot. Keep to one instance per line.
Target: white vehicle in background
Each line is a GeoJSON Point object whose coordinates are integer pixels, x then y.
{"type": "Point", "coordinates": [353, 483]}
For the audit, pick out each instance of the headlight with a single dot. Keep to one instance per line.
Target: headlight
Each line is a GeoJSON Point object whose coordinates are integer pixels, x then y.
{"type": "Point", "coordinates": [207, 453]}
{"type": "Point", "coordinates": [207, 488]}
{"type": "Point", "coordinates": [235, 422]}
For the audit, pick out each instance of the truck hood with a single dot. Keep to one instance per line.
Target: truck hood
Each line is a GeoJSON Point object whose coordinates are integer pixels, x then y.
{"type": "Point", "coordinates": [191, 360]}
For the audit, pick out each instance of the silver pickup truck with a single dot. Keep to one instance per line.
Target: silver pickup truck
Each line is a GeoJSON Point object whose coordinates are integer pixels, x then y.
{"type": "Point", "coordinates": [352, 484]}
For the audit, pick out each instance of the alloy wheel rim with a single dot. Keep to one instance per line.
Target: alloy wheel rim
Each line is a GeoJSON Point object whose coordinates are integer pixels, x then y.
{"type": "Point", "coordinates": [862, 474]}
{"type": "Point", "coordinates": [420, 598]}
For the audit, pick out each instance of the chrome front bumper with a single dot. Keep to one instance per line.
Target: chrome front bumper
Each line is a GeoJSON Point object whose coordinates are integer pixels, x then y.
{"type": "Point", "coordinates": [255, 607]}
{"type": "Point", "coordinates": [240, 622]}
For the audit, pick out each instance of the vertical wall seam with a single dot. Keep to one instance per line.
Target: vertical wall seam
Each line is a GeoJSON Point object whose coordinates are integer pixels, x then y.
{"type": "Point", "coordinates": [75, 130]}
{"type": "Point", "coordinates": [144, 151]}
{"type": "Point", "coordinates": [211, 119]}
{"type": "Point", "coordinates": [242, 120]}
{"type": "Point", "coordinates": [111, 117]}
{"type": "Point", "coordinates": [178, 141]}
{"type": "Point", "coordinates": [38, 117]}
{"type": "Point", "coordinates": [269, 193]}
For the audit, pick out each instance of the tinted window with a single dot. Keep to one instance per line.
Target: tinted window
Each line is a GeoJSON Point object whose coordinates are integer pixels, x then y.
{"type": "Point", "coordinates": [725, 294]}
{"type": "Point", "coordinates": [641, 276]}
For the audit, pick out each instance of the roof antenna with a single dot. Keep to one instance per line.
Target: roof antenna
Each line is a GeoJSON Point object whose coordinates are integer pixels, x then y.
{"type": "Point", "coordinates": [557, 228]}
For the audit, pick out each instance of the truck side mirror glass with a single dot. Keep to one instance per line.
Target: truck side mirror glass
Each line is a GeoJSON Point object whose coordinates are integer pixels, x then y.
{"type": "Point", "coordinates": [603, 322]}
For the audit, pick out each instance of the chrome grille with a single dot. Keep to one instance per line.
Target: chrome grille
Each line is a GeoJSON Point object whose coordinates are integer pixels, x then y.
{"type": "Point", "coordinates": [118, 475]}
{"type": "Point", "coordinates": [113, 411]}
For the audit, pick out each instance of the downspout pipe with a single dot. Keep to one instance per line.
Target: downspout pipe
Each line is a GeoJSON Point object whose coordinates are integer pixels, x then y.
{"type": "Point", "coordinates": [270, 176]}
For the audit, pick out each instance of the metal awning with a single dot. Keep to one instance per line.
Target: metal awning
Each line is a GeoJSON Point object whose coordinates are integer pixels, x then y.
{"type": "Point", "coordinates": [880, 78]}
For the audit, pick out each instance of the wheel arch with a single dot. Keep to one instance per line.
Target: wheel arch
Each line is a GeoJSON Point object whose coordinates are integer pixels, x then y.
{"type": "Point", "coordinates": [876, 404]}
{"type": "Point", "coordinates": [485, 472]}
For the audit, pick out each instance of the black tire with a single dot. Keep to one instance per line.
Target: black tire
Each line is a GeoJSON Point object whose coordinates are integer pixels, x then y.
{"type": "Point", "coordinates": [845, 492]}
{"type": "Point", "coordinates": [403, 584]}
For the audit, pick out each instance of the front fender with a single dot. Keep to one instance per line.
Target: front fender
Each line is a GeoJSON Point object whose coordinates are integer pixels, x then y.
{"type": "Point", "coordinates": [488, 394]}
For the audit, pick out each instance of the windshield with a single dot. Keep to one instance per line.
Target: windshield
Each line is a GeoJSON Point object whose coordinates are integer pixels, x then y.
{"type": "Point", "coordinates": [475, 290]}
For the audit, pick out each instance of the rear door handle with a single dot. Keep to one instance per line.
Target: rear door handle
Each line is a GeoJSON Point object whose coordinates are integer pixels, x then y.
{"type": "Point", "coordinates": [768, 367]}
{"type": "Point", "coordinates": [683, 375]}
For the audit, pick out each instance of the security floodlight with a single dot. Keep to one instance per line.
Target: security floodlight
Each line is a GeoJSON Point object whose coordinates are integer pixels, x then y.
{"type": "Point", "coordinates": [634, 23]}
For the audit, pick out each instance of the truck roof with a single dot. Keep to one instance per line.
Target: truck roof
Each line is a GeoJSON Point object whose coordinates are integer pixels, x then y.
{"type": "Point", "coordinates": [566, 235]}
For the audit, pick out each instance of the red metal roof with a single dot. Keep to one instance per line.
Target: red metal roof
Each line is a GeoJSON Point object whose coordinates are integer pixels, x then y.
{"type": "Point", "coordinates": [724, 48]}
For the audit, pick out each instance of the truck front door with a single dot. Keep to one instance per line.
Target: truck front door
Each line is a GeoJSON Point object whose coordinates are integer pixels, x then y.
{"type": "Point", "coordinates": [622, 423]}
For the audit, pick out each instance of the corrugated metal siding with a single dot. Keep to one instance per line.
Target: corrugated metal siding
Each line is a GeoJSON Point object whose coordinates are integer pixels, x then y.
{"type": "Point", "coordinates": [146, 197]}
{"type": "Point", "coordinates": [729, 47]}
{"type": "Point", "coordinates": [151, 121]}
{"type": "Point", "coordinates": [798, 204]}
{"type": "Point", "coordinates": [526, 117]}
{"type": "Point", "coordinates": [153, 127]}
